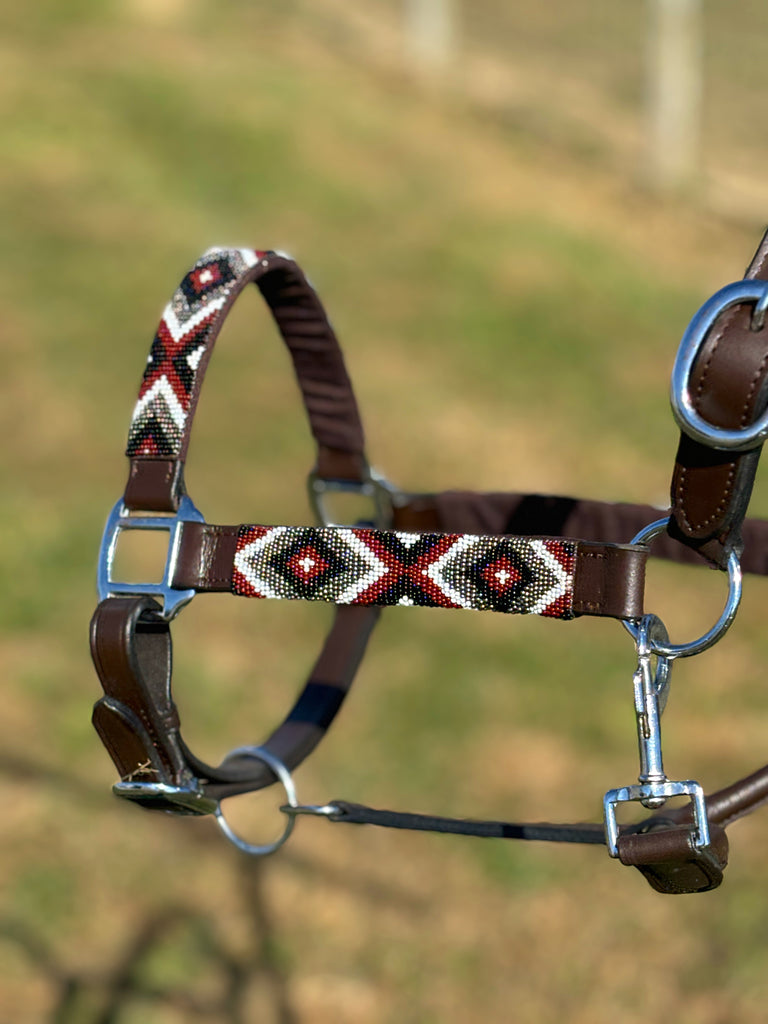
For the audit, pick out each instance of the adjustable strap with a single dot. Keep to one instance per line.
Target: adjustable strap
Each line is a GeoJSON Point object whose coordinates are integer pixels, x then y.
{"type": "Point", "coordinates": [162, 420]}
{"type": "Point", "coordinates": [663, 850]}
{"type": "Point", "coordinates": [356, 566]}
{"type": "Point", "coordinates": [526, 515]}
{"type": "Point", "coordinates": [358, 814]}
{"type": "Point", "coordinates": [729, 388]}
{"type": "Point", "coordinates": [139, 723]}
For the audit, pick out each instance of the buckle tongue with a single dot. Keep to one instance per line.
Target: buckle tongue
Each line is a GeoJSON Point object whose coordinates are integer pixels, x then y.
{"type": "Point", "coordinates": [121, 519]}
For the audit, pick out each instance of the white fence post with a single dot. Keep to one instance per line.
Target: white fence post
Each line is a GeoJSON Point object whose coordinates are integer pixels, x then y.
{"type": "Point", "coordinates": [431, 34]}
{"type": "Point", "coordinates": [675, 91]}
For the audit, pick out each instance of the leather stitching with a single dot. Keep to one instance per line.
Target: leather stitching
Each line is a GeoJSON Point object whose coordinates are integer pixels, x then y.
{"type": "Point", "coordinates": [596, 605]}
{"type": "Point", "coordinates": [682, 486]}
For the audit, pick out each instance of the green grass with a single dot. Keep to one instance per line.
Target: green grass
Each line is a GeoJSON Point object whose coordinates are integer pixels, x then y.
{"type": "Point", "coordinates": [509, 315]}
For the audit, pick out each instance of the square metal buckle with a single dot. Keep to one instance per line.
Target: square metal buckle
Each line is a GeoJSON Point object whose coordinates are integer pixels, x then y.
{"type": "Point", "coordinates": [375, 488]}
{"type": "Point", "coordinates": [120, 519]}
{"type": "Point", "coordinates": [655, 791]}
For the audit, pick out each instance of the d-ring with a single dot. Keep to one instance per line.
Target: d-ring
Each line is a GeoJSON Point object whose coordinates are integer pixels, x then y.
{"type": "Point", "coordinates": [284, 776]}
{"type": "Point", "coordinates": [672, 651]}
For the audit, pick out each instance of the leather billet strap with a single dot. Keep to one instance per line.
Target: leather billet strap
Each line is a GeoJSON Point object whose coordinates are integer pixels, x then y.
{"type": "Point", "coordinates": [729, 387]}
{"type": "Point", "coordinates": [556, 578]}
{"type": "Point", "coordinates": [162, 420]}
{"type": "Point", "coordinates": [138, 722]}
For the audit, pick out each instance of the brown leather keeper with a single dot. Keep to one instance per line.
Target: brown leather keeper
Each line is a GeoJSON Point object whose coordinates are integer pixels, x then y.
{"type": "Point", "coordinates": [334, 464]}
{"type": "Point", "coordinates": [671, 863]}
{"type": "Point", "coordinates": [205, 558]}
{"type": "Point", "coordinates": [609, 580]}
{"type": "Point", "coordinates": [154, 485]}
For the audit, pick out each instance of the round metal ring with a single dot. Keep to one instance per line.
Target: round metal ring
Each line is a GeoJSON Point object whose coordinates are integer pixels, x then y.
{"type": "Point", "coordinates": [285, 778]}
{"type": "Point", "coordinates": [708, 639]}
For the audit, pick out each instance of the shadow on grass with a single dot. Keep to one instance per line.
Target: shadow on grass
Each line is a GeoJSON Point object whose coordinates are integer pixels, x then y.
{"type": "Point", "coordinates": [101, 998]}
{"type": "Point", "coordinates": [179, 958]}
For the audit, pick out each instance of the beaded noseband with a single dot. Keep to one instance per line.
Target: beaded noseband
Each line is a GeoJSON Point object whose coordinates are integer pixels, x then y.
{"type": "Point", "coordinates": [508, 553]}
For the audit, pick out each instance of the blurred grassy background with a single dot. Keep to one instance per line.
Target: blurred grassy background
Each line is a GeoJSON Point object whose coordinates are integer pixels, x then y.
{"type": "Point", "coordinates": [509, 299]}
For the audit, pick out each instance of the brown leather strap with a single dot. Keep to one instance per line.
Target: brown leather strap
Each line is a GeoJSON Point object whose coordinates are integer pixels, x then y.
{"type": "Point", "coordinates": [608, 579]}
{"type": "Point", "coordinates": [155, 481]}
{"type": "Point", "coordinates": [725, 805]}
{"type": "Point", "coordinates": [526, 515]}
{"type": "Point", "coordinates": [138, 721]}
{"type": "Point", "coordinates": [729, 386]}
{"type": "Point", "coordinates": [671, 862]}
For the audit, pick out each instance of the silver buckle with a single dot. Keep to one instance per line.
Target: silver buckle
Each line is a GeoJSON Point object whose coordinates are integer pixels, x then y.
{"type": "Point", "coordinates": [656, 791]}
{"type": "Point", "coordinates": [376, 488]}
{"type": "Point", "coordinates": [121, 519]}
{"type": "Point", "coordinates": [702, 323]}
{"type": "Point", "coordinates": [188, 799]}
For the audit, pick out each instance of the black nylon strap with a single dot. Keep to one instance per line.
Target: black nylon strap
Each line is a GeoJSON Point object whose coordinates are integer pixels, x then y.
{"type": "Point", "coordinates": [358, 814]}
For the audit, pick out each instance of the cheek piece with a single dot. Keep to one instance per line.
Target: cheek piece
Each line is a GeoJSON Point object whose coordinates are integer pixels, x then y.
{"type": "Point", "coordinates": [557, 557]}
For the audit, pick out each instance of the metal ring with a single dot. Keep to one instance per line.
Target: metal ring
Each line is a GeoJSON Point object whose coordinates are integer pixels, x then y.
{"type": "Point", "coordinates": [284, 776]}
{"type": "Point", "coordinates": [688, 419]}
{"type": "Point", "coordinates": [712, 635]}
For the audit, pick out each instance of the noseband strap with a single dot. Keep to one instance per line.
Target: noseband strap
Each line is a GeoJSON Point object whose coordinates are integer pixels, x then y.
{"type": "Point", "coordinates": [139, 725]}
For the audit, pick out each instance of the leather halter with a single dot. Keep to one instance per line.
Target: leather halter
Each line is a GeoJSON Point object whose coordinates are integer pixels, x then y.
{"type": "Point", "coordinates": [503, 552]}
{"type": "Point", "coordinates": [130, 635]}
